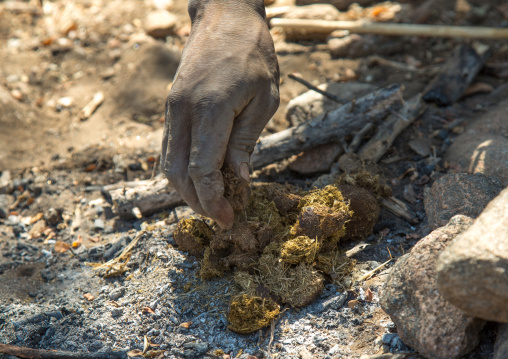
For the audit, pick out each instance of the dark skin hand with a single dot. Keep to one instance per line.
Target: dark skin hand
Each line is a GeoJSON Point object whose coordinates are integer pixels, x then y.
{"type": "Point", "coordinates": [225, 91]}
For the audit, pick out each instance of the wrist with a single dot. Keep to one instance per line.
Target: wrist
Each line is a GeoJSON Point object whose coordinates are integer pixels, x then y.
{"type": "Point", "coordinates": [199, 8]}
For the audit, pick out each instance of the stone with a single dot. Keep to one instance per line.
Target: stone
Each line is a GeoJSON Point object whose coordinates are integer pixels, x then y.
{"type": "Point", "coordinates": [116, 312]}
{"type": "Point", "coordinates": [5, 182]}
{"type": "Point", "coordinates": [315, 160]}
{"type": "Point", "coordinates": [311, 103]}
{"type": "Point", "coordinates": [5, 201]}
{"type": "Point", "coordinates": [458, 193]}
{"type": "Point", "coordinates": [339, 4]}
{"type": "Point", "coordinates": [501, 346]}
{"type": "Point", "coordinates": [425, 320]}
{"type": "Point", "coordinates": [483, 147]}
{"type": "Point", "coordinates": [54, 216]}
{"type": "Point", "coordinates": [472, 273]}
{"type": "Point", "coordinates": [160, 23]}
{"type": "Point", "coordinates": [117, 293]}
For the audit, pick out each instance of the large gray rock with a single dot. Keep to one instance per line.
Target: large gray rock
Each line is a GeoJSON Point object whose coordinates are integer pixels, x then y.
{"type": "Point", "coordinates": [501, 346]}
{"type": "Point", "coordinates": [472, 273]}
{"type": "Point", "coordinates": [424, 319]}
{"type": "Point", "coordinates": [459, 193]}
{"type": "Point", "coordinates": [483, 147]}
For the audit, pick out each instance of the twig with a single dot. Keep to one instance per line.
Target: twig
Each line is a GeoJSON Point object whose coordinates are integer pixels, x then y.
{"type": "Point", "coordinates": [372, 272]}
{"type": "Point", "coordinates": [362, 27]}
{"type": "Point", "coordinates": [23, 352]}
{"type": "Point", "coordinates": [399, 208]}
{"type": "Point", "coordinates": [331, 96]}
{"type": "Point", "coordinates": [359, 136]}
{"type": "Point", "coordinates": [123, 256]}
{"type": "Point", "coordinates": [90, 108]}
{"type": "Point", "coordinates": [272, 331]}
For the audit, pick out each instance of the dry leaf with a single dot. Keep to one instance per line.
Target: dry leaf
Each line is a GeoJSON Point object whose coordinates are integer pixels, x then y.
{"type": "Point", "coordinates": [147, 310]}
{"type": "Point", "coordinates": [90, 167]}
{"type": "Point", "coordinates": [135, 353]}
{"type": "Point", "coordinates": [36, 217]}
{"type": "Point", "coordinates": [368, 295]}
{"type": "Point", "coordinates": [94, 240]}
{"type": "Point", "coordinates": [77, 242]}
{"type": "Point", "coordinates": [88, 296]}
{"type": "Point", "coordinates": [352, 304]}
{"type": "Point", "coordinates": [186, 325]}
{"type": "Point", "coordinates": [153, 353]}
{"type": "Point", "coordinates": [61, 247]}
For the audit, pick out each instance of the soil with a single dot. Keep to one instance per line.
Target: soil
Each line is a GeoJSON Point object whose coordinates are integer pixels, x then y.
{"type": "Point", "coordinates": [56, 57]}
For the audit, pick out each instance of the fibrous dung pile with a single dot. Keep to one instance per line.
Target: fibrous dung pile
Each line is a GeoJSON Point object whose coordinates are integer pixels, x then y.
{"type": "Point", "coordinates": [282, 247]}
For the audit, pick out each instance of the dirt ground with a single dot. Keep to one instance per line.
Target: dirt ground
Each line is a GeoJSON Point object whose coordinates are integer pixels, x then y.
{"type": "Point", "coordinates": [56, 55]}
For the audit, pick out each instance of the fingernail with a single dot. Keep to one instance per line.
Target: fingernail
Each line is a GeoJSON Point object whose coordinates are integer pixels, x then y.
{"type": "Point", "coordinates": [244, 171]}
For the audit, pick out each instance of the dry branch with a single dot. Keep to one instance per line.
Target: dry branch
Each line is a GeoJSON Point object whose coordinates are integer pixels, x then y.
{"type": "Point", "coordinates": [332, 126]}
{"type": "Point", "coordinates": [362, 27]}
{"type": "Point", "coordinates": [147, 197]}
{"type": "Point", "coordinates": [458, 73]}
{"type": "Point", "coordinates": [391, 127]}
{"type": "Point", "coordinates": [399, 208]}
{"type": "Point", "coordinates": [22, 352]}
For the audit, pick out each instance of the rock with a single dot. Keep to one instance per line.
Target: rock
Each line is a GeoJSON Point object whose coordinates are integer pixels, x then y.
{"type": "Point", "coordinates": [117, 293]}
{"type": "Point", "coordinates": [163, 4]}
{"type": "Point", "coordinates": [160, 23]}
{"type": "Point", "coordinates": [424, 319]}
{"type": "Point", "coordinates": [5, 182]}
{"type": "Point", "coordinates": [37, 228]}
{"type": "Point", "coordinates": [311, 103]}
{"type": "Point", "coordinates": [116, 312]}
{"type": "Point", "coordinates": [316, 160]}
{"type": "Point", "coordinates": [501, 346]}
{"type": "Point", "coordinates": [421, 145]}
{"type": "Point", "coordinates": [5, 201]}
{"type": "Point", "coordinates": [339, 4]}
{"type": "Point", "coordinates": [472, 273]}
{"type": "Point", "coordinates": [317, 12]}
{"type": "Point", "coordinates": [459, 193]}
{"type": "Point", "coordinates": [98, 225]}
{"type": "Point", "coordinates": [54, 216]}
{"type": "Point", "coordinates": [196, 348]}
{"type": "Point", "coordinates": [483, 147]}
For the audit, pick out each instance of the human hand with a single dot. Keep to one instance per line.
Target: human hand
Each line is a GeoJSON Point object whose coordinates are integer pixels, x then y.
{"type": "Point", "coordinates": [225, 91]}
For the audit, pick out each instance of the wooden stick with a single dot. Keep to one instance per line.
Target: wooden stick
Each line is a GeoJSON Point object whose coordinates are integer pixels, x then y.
{"type": "Point", "coordinates": [399, 208]}
{"type": "Point", "coordinates": [142, 198]}
{"type": "Point", "coordinates": [307, 84]}
{"type": "Point", "coordinates": [460, 70]}
{"type": "Point", "coordinates": [23, 352]}
{"type": "Point", "coordinates": [325, 128]}
{"type": "Point", "coordinates": [391, 127]}
{"type": "Point", "coordinates": [362, 27]}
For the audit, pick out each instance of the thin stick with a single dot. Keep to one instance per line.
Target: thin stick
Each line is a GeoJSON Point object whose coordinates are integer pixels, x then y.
{"type": "Point", "coordinates": [362, 27]}
{"type": "Point", "coordinates": [23, 352]}
{"type": "Point", "coordinates": [372, 272]}
{"type": "Point", "coordinates": [331, 96]}
{"type": "Point", "coordinates": [272, 331]}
